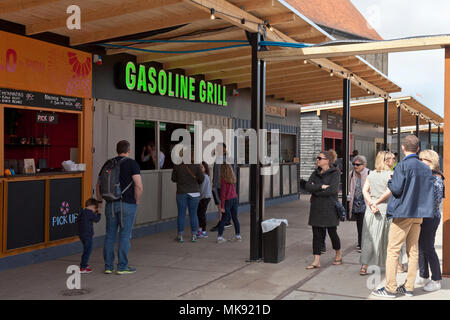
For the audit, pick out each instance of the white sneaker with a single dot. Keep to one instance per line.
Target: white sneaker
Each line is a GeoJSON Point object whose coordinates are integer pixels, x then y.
{"type": "Point", "coordinates": [421, 281]}
{"type": "Point", "coordinates": [432, 286]}
{"type": "Point", "coordinates": [221, 240]}
{"type": "Point", "coordinates": [236, 239]}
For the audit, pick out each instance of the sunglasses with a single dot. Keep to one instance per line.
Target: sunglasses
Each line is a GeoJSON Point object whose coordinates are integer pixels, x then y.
{"type": "Point", "coordinates": [422, 159]}
{"type": "Point", "coordinates": [320, 158]}
{"type": "Point", "coordinates": [357, 164]}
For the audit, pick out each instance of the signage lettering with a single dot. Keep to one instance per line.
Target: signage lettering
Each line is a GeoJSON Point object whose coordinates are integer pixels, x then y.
{"type": "Point", "coordinates": [42, 117]}
{"type": "Point", "coordinates": [143, 78]}
{"type": "Point", "coordinates": [38, 99]}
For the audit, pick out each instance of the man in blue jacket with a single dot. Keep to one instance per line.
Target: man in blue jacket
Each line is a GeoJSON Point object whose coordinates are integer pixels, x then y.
{"type": "Point", "coordinates": [411, 200]}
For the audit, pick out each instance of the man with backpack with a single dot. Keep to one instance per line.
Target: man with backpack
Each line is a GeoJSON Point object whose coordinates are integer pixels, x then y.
{"type": "Point", "coordinates": [120, 184]}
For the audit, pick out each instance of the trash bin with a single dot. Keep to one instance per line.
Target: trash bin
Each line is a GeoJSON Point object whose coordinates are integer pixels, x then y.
{"type": "Point", "coordinates": [274, 240]}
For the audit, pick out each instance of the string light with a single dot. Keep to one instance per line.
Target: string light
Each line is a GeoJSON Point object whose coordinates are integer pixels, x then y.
{"type": "Point", "coordinates": [269, 26]}
{"type": "Point", "coordinates": [243, 21]}
{"type": "Point", "coordinates": [331, 73]}
{"type": "Point", "coordinates": [305, 61]}
{"type": "Point", "coordinates": [212, 14]}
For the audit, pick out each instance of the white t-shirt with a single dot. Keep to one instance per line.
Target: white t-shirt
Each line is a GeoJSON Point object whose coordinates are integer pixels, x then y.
{"type": "Point", "coordinates": [162, 157]}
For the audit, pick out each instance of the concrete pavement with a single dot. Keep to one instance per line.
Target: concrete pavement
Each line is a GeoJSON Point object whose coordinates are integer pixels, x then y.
{"type": "Point", "coordinates": [207, 270]}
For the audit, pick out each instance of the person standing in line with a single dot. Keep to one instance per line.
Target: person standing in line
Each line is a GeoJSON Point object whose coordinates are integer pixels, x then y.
{"type": "Point", "coordinates": [188, 178]}
{"type": "Point", "coordinates": [229, 202]}
{"type": "Point", "coordinates": [357, 205]}
{"type": "Point", "coordinates": [216, 183]}
{"type": "Point", "coordinates": [375, 230]}
{"type": "Point", "coordinates": [205, 198]}
{"type": "Point", "coordinates": [427, 253]}
{"type": "Point", "coordinates": [410, 202]}
{"type": "Point", "coordinates": [323, 185]}
{"type": "Point", "coordinates": [120, 214]}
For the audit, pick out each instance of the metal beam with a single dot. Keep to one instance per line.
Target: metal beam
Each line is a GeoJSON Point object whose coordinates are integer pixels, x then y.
{"type": "Point", "coordinates": [346, 142]}
{"type": "Point", "coordinates": [417, 124]}
{"type": "Point", "coordinates": [255, 250]}
{"type": "Point", "coordinates": [399, 131]}
{"type": "Point", "coordinates": [429, 135]}
{"type": "Point", "coordinates": [439, 141]}
{"type": "Point", "coordinates": [385, 134]}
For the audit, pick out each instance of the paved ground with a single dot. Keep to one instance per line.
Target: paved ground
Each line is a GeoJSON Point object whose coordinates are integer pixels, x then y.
{"type": "Point", "coordinates": [207, 270]}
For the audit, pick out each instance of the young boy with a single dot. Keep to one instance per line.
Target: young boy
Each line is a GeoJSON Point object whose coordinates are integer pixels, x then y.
{"type": "Point", "coordinates": [86, 230]}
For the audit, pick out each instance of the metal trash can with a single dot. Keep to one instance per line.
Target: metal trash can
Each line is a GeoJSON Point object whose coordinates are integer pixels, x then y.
{"type": "Point", "coordinates": [274, 241]}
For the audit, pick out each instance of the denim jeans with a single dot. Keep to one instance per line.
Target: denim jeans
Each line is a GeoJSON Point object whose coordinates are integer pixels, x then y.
{"type": "Point", "coordinates": [231, 209]}
{"type": "Point", "coordinates": [113, 215]}
{"type": "Point", "coordinates": [427, 252]}
{"type": "Point", "coordinates": [87, 249]}
{"type": "Point", "coordinates": [186, 201]}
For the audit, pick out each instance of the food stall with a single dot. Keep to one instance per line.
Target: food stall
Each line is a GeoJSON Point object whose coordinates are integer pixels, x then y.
{"type": "Point", "coordinates": [45, 120]}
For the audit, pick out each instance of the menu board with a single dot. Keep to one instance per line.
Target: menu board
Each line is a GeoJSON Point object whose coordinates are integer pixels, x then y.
{"type": "Point", "coordinates": [334, 121]}
{"type": "Point", "coordinates": [39, 99]}
{"type": "Point", "coordinates": [65, 205]}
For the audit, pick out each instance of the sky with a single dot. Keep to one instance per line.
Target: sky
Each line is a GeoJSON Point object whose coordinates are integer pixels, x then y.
{"type": "Point", "coordinates": [419, 73]}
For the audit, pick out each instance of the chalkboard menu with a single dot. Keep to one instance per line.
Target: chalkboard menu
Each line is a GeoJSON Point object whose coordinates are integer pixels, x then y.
{"type": "Point", "coordinates": [65, 205]}
{"type": "Point", "coordinates": [26, 213]}
{"type": "Point", "coordinates": [39, 99]}
{"type": "Point", "coordinates": [334, 121]}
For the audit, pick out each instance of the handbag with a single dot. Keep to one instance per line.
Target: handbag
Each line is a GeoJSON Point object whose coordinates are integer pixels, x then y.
{"type": "Point", "coordinates": [340, 210]}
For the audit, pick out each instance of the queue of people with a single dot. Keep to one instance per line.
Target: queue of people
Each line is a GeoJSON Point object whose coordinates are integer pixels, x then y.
{"type": "Point", "coordinates": [396, 212]}
{"type": "Point", "coordinates": [393, 209]}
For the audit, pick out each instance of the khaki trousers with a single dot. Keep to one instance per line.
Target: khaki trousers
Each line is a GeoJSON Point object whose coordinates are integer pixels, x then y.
{"type": "Point", "coordinates": [401, 230]}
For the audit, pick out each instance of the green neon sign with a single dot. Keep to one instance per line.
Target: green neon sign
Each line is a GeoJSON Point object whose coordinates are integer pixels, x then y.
{"type": "Point", "coordinates": [147, 79]}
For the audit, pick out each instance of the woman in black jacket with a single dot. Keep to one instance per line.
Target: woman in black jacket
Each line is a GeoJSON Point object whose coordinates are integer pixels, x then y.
{"type": "Point", "coordinates": [323, 185]}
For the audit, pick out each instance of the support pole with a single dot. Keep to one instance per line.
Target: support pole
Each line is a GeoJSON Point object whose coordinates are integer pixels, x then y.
{"type": "Point", "coordinates": [446, 164]}
{"type": "Point", "coordinates": [256, 204]}
{"type": "Point", "coordinates": [385, 144]}
{"type": "Point", "coordinates": [346, 142]}
{"type": "Point", "coordinates": [399, 131]}
{"type": "Point", "coordinates": [439, 141]}
{"type": "Point", "coordinates": [417, 124]}
{"type": "Point", "coordinates": [262, 125]}
{"type": "Point", "coordinates": [429, 136]}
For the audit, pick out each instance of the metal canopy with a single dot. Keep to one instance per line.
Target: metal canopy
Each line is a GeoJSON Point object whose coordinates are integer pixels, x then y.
{"type": "Point", "coordinates": [372, 111]}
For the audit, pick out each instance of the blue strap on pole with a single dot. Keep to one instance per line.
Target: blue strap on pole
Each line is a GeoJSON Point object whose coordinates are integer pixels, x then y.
{"type": "Point", "coordinates": [164, 51]}
{"type": "Point", "coordinates": [244, 44]}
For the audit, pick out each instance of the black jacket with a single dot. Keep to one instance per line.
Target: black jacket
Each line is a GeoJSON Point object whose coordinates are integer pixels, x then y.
{"type": "Point", "coordinates": [185, 180]}
{"type": "Point", "coordinates": [85, 226]}
{"type": "Point", "coordinates": [323, 211]}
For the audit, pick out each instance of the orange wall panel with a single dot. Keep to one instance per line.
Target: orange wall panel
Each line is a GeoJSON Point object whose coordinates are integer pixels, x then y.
{"type": "Point", "coordinates": [29, 64]}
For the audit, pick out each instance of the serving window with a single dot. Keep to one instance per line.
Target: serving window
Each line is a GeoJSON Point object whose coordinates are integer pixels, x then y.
{"type": "Point", "coordinates": [39, 141]}
{"type": "Point", "coordinates": [148, 140]}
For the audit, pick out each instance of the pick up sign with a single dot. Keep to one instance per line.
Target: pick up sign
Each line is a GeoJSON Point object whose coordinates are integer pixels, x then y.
{"type": "Point", "coordinates": [44, 117]}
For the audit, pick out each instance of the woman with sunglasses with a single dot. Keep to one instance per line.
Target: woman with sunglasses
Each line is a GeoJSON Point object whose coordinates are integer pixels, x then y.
{"type": "Point", "coordinates": [357, 205]}
{"type": "Point", "coordinates": [375, 230]}
{"type": "Point", "coordinates": [427, 252]}
{"type": "Point", "coordinates": [323, 185]}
